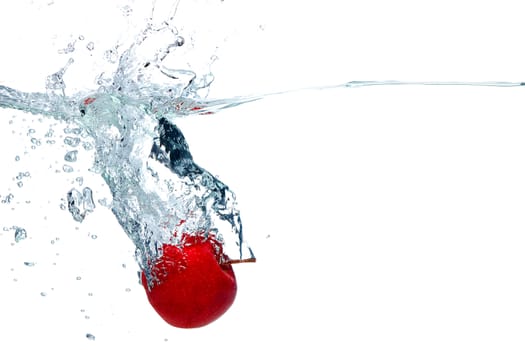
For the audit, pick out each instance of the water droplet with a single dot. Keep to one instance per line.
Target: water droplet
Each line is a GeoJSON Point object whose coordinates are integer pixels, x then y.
{"type": "Point", "coordinates": [17, 158]}
{"type": "Point", "coordinates": [52, 241]}
{"type": "Point", "coordinates": [20, 184]}
{"type": "Point", "coordinates": [90, 336]}
{"type": "Point", "coordinates": [90, 294]}
{"type": "Point", "coordinates": [94, 236]}
{"type": "Point", "coordinates": [29, 263]}
{"type": "Point", "coordinates": [20, 234]}
{"type": "Point", "coordinates": [43, 294]}
{"type": "Point", "coordinates": [71, 156]}
{"type": "Point", "coordinates": [90, 46]}
{"type": "Point", "coordinates": [79, 278]}
{"type": "Point", "coordinates": [81, 37]}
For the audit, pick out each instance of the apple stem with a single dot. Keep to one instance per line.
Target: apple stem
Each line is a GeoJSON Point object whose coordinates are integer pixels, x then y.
{"type": "Point", "coordinates": [240, 261]}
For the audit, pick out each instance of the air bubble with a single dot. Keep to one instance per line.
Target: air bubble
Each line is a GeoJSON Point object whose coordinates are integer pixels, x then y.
{"type": "Point", "coordinates": [90, 336]}
{"type": "Point", "coordinates": [126, 10]}
{"type": "Point", "coordinates": [72, 141]}
{"type": "Point", "coordinates": [67, 169]}
{"type": "Point", "coordinates": [104, 202]}
{"type": "Point", "coordinates": [76, 131]}
{"type": "Point", "coordinates": [29, 263]}
{"type": "Point", "coordinates": [68, 49]}
{"type": "Point", "coordinates": [111, 55]}
{"type": "Point", "coordinates": [90, 46]}
{"type": "Point", "coordinates": [8, 199]}
{"type": "Point", "coordinates": [71, 156]}
{"type": "Point", "coordinates": [80, 204]}
{"type": "Point", "coordinates": [35, 141]}
{"type": "Point", "coordinates": [20, 234]}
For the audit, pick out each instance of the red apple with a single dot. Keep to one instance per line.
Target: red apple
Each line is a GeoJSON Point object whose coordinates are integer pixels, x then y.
{"type": "Point", "coordinates": [194, 288]}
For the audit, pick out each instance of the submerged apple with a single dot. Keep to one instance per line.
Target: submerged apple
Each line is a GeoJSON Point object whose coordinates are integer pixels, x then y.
{"type": "Point", "coordinates": [194, 286]}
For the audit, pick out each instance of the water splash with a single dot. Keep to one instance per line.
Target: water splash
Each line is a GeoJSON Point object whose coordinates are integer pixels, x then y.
{"type": "Point", "coordinates": [140, 153]}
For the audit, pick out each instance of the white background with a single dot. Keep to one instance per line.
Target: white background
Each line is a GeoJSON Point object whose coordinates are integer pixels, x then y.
{"type": "Point", "coordinates": [381, 217]}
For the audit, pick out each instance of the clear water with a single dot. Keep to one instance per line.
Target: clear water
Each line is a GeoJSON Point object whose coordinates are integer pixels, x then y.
{"type": "Point", "coordinates": [128, 126]}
